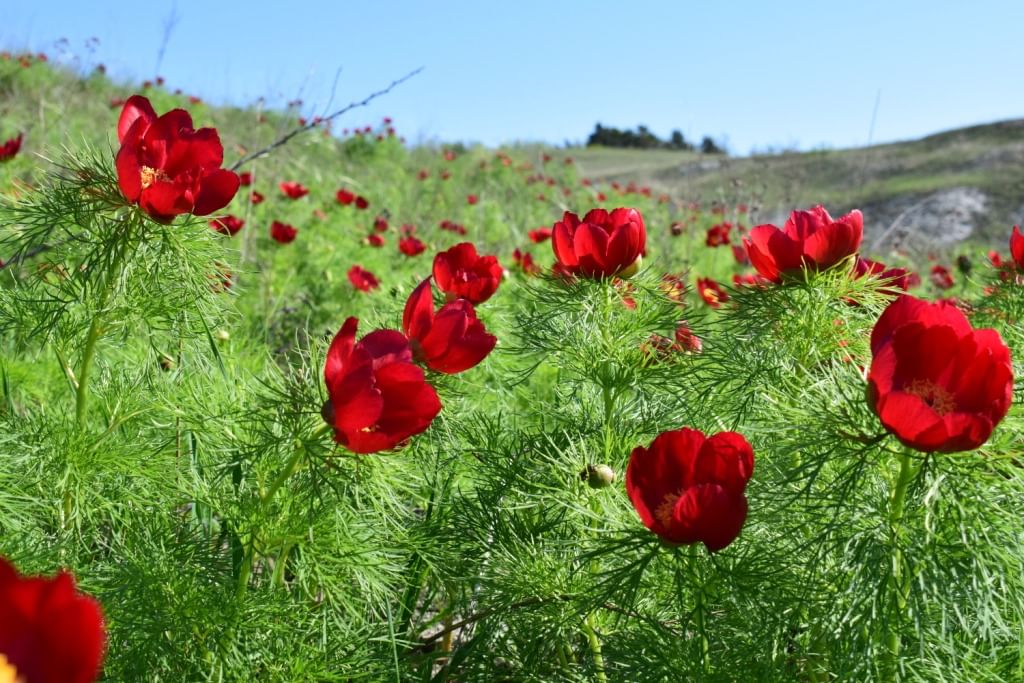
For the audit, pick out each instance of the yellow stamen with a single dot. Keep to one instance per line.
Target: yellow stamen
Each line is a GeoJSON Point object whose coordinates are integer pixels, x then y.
{"type": "Point", "coordinates": [663, 513]}
{"type": "Point", "coordinates": [151, 175]}
{"type": "Point", "coordinates": [938, 398]}
{"type": "Point", "coordinates": [8, 674]}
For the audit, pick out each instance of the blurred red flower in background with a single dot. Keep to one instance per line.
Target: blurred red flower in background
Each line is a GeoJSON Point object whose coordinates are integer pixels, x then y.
{"type": "Point", "coordinates": [11, 147]}
{"type": "Point", "coordinates": [228, 225]}
{"type": "Point", "coordinates": [411, 246]}
{"type": "Point", "coordinates": [1017, 246]}
{"type": "Point", "coordinates": [362, 279]}
{"type": "Point", "coordinates": [282, 232]}
{"type": "Point", "coordinates": [463, 274]}
{"type": "Point", "coordinates": [941, 277]}
{"type": "Point", "coordinates": [293, 190]}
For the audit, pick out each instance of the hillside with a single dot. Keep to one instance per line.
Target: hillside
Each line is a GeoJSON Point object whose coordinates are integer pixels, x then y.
{"type": "Point", "coordinates": [955, 186]}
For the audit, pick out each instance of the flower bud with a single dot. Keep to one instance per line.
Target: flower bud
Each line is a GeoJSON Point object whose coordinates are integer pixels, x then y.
{"type": "Point", "coordinates": [222, 335]}
{"type": "Point", "coordinates": [598, 476]}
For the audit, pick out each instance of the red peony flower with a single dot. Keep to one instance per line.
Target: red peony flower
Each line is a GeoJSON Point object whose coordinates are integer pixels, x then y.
{"type": "Point", "coordinates": [282, 232]}
{"type": "Point", "coordinates": [686, 340]}
{"type": "Point", "coordinates": [602, 244]}
{"type": "Point", "coordinates": [49, 632]}
{"type": "Point", "coordinates": [540, 235]}
{"type": "Point", "coordinates": [256, 197]}
{"type": "Point", "coordinates": [688, 488]}
{"type": "Point", "coordinates": [167, 167]}
{"type": "Point", "coordinates": [380, 224]}
{"type": "Point", "coordinates": [362, 279]}
{"type": "Point", "coordinates": [450, 341]}
{"type": "Point", "coordinates": [525, 261]}
{"type": "Point", "coordinates": [362, 202]}
{"type": "Point", "coordinates": [377, 397]}
{"type": "Point", "coordinates": [344, 197]}
{"type": "Point", "coordinates": [411, 246]}
{"type": "Point", "coordinates": [810, 239]}
{"type": "Point", "coordinates": [712, 292]}
{"type": "Point", "coordinates": [293, 190]}
{"type": "Point", "coordinates": [472, 199]}
{"type": "Point", "coordinates": [741, 255]}
{"type": "Point", "coordinates": [245, 179]}
{"type": "Point", "coordinates": [461, 273]}
{"type": "Point", "coordinates": [996, 259]}
{"type": "Point", "coordinates": [228, 225]}
{"type": "Point", "coordinates": [1017, 246]}
{"type": "Point", "coordinates": [10, 148]}
{"type": "Point", "coordinates": [935, 382]}
{"type": "Point", "coordinates": [941, 277]}
{"type": "Point", "coordinates": [718, 235]}
{"type": "Point", "coordinates": [375, 240]}
{"type": "Point", "coordinates": [899, 278]}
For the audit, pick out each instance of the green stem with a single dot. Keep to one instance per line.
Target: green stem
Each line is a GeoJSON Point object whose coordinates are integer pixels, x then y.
{"type": "Point", "coordinates": [595, 648]}
{"type": "Point", "coordinates": [245, 572]}
{"type": "Point", "coordinates": [93, 336]}
{"type": "Point", "coordinates": [898, 585]}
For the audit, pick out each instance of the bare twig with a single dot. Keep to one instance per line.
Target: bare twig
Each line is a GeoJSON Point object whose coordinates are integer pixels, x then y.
{"type": "Point", "coordinates": [312, 124]}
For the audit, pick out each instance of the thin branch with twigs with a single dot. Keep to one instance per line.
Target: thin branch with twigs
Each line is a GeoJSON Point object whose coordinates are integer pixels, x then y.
{"type": "Point", "coordinates": [313, 124]}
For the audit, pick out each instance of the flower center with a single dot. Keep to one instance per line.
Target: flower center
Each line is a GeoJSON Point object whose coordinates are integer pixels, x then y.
{"type": "Point", "coordinates": [150, 175]}
{"type": "Point", "coordinates": [711, 295]}
{"type": "Point", "coordinates": [8, 674]}
{"type": "Point", "coordinates": [663, 513]}
{"type": "Point", "coordinates": [938, 398]}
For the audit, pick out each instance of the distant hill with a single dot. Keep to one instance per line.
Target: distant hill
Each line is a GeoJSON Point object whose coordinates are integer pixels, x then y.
{"type": "Point", "coordinates": [928, 194]}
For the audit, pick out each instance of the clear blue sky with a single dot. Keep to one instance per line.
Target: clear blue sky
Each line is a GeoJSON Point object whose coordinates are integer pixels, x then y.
{"type": "Point", "coordinates": [755, 73]}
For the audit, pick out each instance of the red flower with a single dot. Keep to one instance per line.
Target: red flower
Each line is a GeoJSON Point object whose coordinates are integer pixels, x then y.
{"type": "Point", "coordinates": [10, 149]}
{"type": "Point", "coordinates": [228, 225]}
{"type": "Point", "coordinates": [1017, 246]}
{"type": "Point", "coordinates": [293, 190]}
{"type": "Point", "coordinates": [282, 232]}
{"type": "Point", "coordinates": [994, 257]}
{"type": "Point", "coordinates": [749, 280]}
{"type": "Point", "coordinates": [686, 340]}
{"type": "Point", "coordinates": [49, 632]}
{"type": "Point", "coordinates": [899, 278]}
{"type": "Point", "coordinates": [256, 197]}
{"type": "Point", "coordinates": [673, 287]}
{"type": "Point", "coordinates": [450, 341]}
{"type": "Point", "coordinates": [602, 244]}
{"type": "Point", "coordinates": [245, 179]}
{"type": "Point", "coordinates": [935, 382]}
{"type": "Point", "coordinates": [712, 292]}
{"type": "Point", "coordinates": [377, 397]}
{"type": "Point", "coordinates": [718, 235]}
{"type": "Point", "coordinates": [167, 167]}
{"type": "Point", "coordinates": [380, 224]}
{"type": "Point", "coordinates": [344, 197]}
{"type": "Point", "coordinates": [688, 488]}
{"type": "Point", "coordinates": [375, 240]}
{"type": "Point", "coordinates": [525, 261]}
{"type": "Point", "coordinates": [423, 174]}
{"type": "Point", "coordinates": [411, 246]}
{"type": "Point", "coordinates": [461, 273]}
{"type": "Point", "coordinates": [472, 199]}
{"type": "Point", "coordinates": [810, 239]}
{"type": "Point", "coordinates": [362, 279]}
{"type": "Point", "coordinates": [941, 277]}
{"type": "Point", "coordinates": [741, 255]}
{"type": "Point", "coordinates": [362, 202]}
{"type": "Point", "coordinates": [540, 235]}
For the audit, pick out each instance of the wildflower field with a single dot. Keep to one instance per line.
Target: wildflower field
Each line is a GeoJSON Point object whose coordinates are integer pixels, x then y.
{"type": "Point", "coordinates": [347, 409]}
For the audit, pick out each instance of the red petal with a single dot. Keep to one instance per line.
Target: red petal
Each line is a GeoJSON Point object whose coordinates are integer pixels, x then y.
{"type": "Point", "coordinates": [135, 108]}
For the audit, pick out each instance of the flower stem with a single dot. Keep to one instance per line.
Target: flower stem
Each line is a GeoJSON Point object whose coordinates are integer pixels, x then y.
{"type": "Point", "coordinates": [94, 334]}
{"type": "Point", "coordinates": [245, 571]}
{"type": "Point", "coordinates": [595, 648]}
{"type": "Point", "coordinates": [898, 585]}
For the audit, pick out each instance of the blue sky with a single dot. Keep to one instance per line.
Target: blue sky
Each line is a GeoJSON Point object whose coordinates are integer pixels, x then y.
{"type": "Point", "coordinates": [757, 74]}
